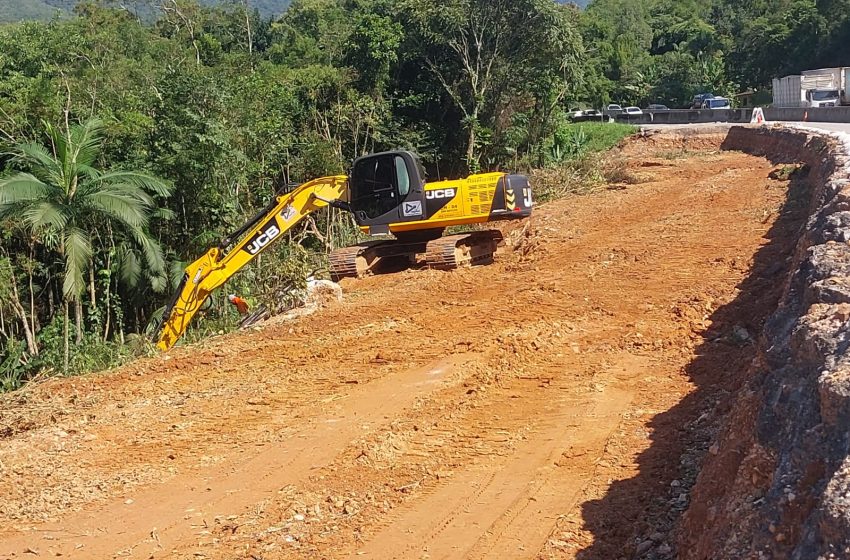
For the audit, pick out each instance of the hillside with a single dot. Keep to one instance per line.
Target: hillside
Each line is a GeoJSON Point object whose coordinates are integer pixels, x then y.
{"type": "Point", "coordinates": [26, 9]}
{"type": "Point", "coordinates": [45, 9]}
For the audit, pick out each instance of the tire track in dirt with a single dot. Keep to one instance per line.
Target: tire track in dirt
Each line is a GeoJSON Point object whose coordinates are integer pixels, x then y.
{"type": "Point", "coordinates": [524, 526]}
{"type": "Point", "coordinates": [508, 509]}
{"type": "Point", "coordinates": [171, 513]}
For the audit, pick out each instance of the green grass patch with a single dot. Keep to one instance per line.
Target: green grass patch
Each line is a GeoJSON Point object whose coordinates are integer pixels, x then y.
{"type": "Point", "coordinates": [592, 137]}
{"type": "Point", "coordinates": [679, 153]}
{"type": "Point", "coordinates": [578, 161]}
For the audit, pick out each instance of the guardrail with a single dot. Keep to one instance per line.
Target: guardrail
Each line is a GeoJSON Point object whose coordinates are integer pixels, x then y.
{"type": "Point", "coordinates": [686, 116]}
{"type": "Point", "coordinates": [819, 114]}
{"type": "Point", "coordinates": [692, 116]}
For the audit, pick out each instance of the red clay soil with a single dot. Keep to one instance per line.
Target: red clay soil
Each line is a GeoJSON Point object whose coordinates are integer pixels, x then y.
{"type": "Point", "coordinates": [540, 407]}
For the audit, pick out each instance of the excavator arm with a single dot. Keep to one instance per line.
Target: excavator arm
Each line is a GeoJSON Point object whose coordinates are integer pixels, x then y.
{"type": "Point", "coordinates": [220, 263]}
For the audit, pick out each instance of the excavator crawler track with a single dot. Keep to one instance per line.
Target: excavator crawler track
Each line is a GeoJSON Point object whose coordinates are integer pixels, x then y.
{"type": "Point", "coordinates": [465, 249]}
{"type": "Point", "coordinates": [444, 253]}
{"type": "Point", "coordinates": [354, 261]}
{"type": "Point", "coordinates": [363, 259]}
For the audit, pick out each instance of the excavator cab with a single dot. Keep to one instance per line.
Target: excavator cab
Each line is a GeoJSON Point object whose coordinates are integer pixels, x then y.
{"type": "Point", "coordinates": [387, 188]}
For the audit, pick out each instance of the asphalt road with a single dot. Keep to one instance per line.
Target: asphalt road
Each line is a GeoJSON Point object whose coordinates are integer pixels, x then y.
{"type": "Point", "coordinates": [831, 127]}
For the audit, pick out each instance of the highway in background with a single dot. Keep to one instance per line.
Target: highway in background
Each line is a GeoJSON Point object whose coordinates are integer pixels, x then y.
{"type": "Point", "coordinates": [826, 126]}
{"type": "Point", "coordinates": [831, 127]}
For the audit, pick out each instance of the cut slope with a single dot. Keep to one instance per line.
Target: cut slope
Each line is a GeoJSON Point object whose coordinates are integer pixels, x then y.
{"type": "Point", "coordinates": [776, 484]}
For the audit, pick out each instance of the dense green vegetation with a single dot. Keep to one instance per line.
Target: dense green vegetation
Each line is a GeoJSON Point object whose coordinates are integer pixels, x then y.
{"type": "Point", "coordinates": [130, 145]}
{"type": "Point", "coordinates": [668, 50]}
{"type": "Point", "coordinates": [143, 144]}
{"type": "Point", "coordinates": [590, 137]}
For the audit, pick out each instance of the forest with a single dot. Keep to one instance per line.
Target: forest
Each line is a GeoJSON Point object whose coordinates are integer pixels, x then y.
{"type": "Point", "coordinates": [131, 145]}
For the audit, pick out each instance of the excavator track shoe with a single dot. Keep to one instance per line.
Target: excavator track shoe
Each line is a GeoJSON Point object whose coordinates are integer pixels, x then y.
{"type": "Point", "coordinates": [370, 257]}
{"type": "Point", "coordinates": [465, 249]}
{"type": "Point", "coordinates": [352, 262]}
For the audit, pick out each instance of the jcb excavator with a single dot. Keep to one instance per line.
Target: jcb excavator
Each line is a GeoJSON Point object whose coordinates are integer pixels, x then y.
{"type": "Point", "coordinates": [387, 194]}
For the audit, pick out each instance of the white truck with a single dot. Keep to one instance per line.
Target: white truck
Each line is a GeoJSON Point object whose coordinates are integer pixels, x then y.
{"type": "Point", "coordinates": [845, 95]}
{"type": "Point", "coordinates": [824, 87]}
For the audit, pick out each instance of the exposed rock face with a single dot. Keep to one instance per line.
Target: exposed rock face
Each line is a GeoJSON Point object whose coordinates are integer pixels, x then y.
{"type": "Point", "coordinates": [778, 485]}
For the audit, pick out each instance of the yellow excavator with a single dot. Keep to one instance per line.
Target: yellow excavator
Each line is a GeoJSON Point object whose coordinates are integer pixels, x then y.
{"type": "Point", "coordinates": [387, 194]}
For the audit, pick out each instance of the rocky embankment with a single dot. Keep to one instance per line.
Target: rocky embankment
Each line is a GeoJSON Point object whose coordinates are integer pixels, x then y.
{"type": "Point", "coordinates": [776, 482]}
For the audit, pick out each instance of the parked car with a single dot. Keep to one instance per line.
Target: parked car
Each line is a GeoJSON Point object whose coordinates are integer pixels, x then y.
{"type": "Point", "coordinates": [630, 114]}
{"type": "Point", "coordinates": [613, 107]}
{"type": "Point", "coordinates": [717, 103]}
{"type": "Point", "coordinates": [657, 107]}
{"type": "Point", "coordinates": [698, 100]}
{"type": "Point", "coordinates": [587, 115]}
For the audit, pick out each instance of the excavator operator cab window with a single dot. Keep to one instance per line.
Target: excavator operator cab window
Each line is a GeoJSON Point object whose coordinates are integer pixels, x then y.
{"type": "Point", "coordinates": [373, 186]}
{"type": "Point", "coordinates": [402, 177]}
{"type": "Point", "coordinates": [379, 183]}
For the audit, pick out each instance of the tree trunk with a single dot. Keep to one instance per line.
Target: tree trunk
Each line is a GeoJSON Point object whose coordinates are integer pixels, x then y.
{"type": "Point", "coordinates": [51, 305]}
{"type": "Point", "coordinates": [92, 293]}
{"type": "Point", "coordinates": [29, 336]}
{"type": "Point", "coordinates": [34, 328]}
{"type": "Point", "coordinates": [108, 318]}
{"type": "Point", "coordinates": [32, 346]}
{"type": "Point", "coordinates": [78, 316]}
{"type": "Point", "coordinates": [67, 347]}
{"type": "Point", "coordinates": [248, 26]}
{"type": "Point", "coordinates": [19, 310]}
{"type": "Point", "coordinates": [471, 165]}
{"type": "Point", "coordinates": [119, 324]}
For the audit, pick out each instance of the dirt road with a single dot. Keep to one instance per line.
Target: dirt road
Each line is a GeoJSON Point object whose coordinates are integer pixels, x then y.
{"type": "Point", "coordinates": [549, 406]}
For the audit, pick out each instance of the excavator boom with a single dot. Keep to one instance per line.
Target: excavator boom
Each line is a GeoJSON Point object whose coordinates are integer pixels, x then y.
{"type": "Point", "coordinates": [220, 263]}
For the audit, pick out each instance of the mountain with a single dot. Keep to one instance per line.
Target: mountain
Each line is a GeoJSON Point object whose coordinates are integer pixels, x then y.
{"type": "Point", "coordinates": [26, 9]}
{"type": "Point", "coordinates": [17, 10]}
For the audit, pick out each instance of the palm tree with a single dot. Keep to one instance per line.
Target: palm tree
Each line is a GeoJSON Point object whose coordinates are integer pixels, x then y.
{"type": "Point", "coordinates": [61, 196]}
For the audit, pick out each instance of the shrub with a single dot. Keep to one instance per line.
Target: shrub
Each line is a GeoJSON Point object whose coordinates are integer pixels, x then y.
{"type": "Point", "coordinates": [577, 162]}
